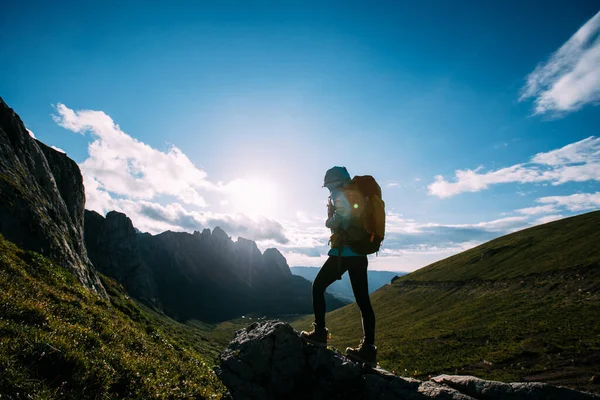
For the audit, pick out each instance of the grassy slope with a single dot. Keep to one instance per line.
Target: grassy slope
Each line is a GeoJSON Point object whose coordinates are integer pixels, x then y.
{"type": "Point", "coordinates": [556, 245]}
{"type": "Point", "coordinates": [528, 309]}
{"type": "Point", "coordinates": [57, 339]}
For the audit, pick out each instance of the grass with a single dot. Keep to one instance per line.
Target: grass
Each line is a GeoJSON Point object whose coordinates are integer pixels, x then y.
{"type": "Point", "coordinates": [549, 247]}
{"type": "Point", "coordinates": [527, 311]}
{"type": "Point", "coordinates": [58, 340]}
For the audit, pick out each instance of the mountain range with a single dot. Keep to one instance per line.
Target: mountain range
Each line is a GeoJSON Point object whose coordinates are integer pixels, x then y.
{"type": "Point", "coordinates": [205, 275]}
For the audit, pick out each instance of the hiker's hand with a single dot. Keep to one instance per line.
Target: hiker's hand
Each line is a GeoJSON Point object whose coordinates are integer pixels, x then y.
{"type": "Point", "coordinates": [330, 210]}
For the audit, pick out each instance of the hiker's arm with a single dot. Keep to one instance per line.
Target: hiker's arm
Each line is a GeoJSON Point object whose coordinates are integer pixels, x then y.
{"type": "Point", "coordinates": [341, 214]}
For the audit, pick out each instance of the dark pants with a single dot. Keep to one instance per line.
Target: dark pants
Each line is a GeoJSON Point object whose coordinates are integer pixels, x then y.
{"type": "Point", "coordinates": [357, 270]}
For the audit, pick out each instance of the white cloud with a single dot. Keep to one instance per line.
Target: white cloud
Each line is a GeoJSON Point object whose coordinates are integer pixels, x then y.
{"type": "Point", "coordinates": [393, 184]}
{"type": "Point", "coordinates": [548, 218]}
{"type": "Point", "coordinates": [156, 218]}
{"type": "Point", "coordinates": [575, 162]}
{"type": "Point", "coordinates": [125, 166]}
{"type": "Point", "coordinates": [574, 202]}
{"type": "Point", "coordinates": [409, 244]}
{"type": "Point", "coordinates": [502, 225]}
{"type": "Point", "coordinates": [570, 78]}
{"type": "Point", "coordinates": [59, 149]}
{"type": "Point", "coordinates": [537, 210]}
{"type": "Point", "coordinates": [124, 174]}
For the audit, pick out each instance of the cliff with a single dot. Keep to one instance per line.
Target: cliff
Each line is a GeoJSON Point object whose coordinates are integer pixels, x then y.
{"type": "Point", "coordinates": [42, 199]}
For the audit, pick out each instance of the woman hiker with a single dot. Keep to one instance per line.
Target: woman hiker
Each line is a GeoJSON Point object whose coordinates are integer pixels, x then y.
{"type": "Point", "coordinates": [342, 259]}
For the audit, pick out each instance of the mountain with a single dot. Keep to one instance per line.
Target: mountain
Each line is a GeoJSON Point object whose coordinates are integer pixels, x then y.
{"type": "Point", "coordinates": [42, 199]}
{"type": "Point", "coordinates": [342, 289]}
{"type": "Point", "coordinates": [520, 307]}
{"type": "Point", "coordinates": [113, 248]}
{"type": "Point", "coordinates": [204, 275]}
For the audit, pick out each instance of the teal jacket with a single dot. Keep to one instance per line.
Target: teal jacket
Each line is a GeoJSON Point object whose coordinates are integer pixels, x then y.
{"type": "Point", "coordinates": [340, 219]}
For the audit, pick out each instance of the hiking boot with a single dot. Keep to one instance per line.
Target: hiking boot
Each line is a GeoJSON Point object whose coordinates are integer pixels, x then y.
{"type": "Point", "coordinates": [364, 353]}
{"type": "Point", "coordinates": [318, 336]}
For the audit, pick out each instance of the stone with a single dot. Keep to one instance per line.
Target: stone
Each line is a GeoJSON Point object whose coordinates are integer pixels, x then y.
{"type": "Point", "coordinates": [268, 360]}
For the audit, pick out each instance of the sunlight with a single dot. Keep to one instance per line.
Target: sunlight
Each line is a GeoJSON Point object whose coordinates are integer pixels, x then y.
{"type": "Point", "coordinates": [254, 197]}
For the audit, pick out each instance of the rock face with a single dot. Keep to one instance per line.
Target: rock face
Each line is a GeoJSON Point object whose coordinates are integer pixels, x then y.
{"type": "Point", "coordinates": [269, 361]}
{"type": "Point", "coordinates": [42, 199]}
{"type": "Point", "coordinates": [113, 248]}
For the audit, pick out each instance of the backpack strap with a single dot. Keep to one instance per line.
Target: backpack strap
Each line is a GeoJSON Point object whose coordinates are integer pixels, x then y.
{"type": "Point", "coordinates": [339, 263]}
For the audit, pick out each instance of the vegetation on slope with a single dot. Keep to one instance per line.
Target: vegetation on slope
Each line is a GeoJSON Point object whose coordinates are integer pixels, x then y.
{"type": "Point", "coordinates": [57, 339]}
{"type": "Point", "coordinates": [540, 322]}
{"type": "Point", "coordinates": [556, 245]}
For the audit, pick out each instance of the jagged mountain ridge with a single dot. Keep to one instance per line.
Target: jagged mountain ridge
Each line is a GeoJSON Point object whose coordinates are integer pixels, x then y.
{"type": "Point", "coordinates": [112, 246]}
{"type": "Point", "coordinates": [42, 199]}
{"type": "Point", "coordinates": [204, 275]}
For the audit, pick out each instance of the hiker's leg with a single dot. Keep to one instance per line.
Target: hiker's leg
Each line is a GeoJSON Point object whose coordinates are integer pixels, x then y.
{"type": "Point", "coordinates": [357, 269]}
{"type": "Point", "coordinates": [328, 274]}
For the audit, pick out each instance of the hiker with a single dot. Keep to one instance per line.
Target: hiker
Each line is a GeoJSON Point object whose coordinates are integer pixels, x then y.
{"type": "Point", "coordinates": [344, 220]}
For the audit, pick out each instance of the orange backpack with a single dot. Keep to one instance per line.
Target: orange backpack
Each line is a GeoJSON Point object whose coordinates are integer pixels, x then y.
{"type": "Point", "coordinates": [366, 229]}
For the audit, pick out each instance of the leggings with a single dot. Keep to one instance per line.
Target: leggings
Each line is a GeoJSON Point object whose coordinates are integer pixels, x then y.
{"type": "Point", "coordinates": [357, 270]}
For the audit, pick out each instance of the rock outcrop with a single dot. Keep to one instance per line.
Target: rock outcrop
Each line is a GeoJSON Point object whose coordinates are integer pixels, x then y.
{"type": "Point", "coordinates": [42, 199]}
{"type": "Point", "coordinates": [268, 361]}
{"type": "Point", "coordinates": [113, 249]}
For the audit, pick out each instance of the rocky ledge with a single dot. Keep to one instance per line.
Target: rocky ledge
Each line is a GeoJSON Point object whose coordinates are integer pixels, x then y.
{"type": "Point", "coordinates": [268, 360]}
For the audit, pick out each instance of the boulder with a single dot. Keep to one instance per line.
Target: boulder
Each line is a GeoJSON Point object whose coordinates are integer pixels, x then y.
{"type": "Point", "coordinates": [268, 361]}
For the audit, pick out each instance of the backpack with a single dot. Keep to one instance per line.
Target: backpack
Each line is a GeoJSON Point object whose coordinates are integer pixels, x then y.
{"type": "Point", "coordinates": [366, 229]}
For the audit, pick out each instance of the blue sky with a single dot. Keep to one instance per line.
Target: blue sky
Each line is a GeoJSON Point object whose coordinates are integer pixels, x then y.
{"type": "Point", "coordinates": [205, 114]}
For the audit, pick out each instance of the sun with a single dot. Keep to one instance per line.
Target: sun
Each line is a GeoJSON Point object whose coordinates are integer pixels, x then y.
{"type": "Point", "coordinates": [254, 197]}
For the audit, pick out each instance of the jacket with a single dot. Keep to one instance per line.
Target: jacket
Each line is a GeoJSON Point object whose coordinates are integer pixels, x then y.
{"type": "Point", "coordinates": [340, 219]}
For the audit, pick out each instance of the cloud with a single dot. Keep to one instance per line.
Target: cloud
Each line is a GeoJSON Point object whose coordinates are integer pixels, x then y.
{"type": "Point", "coordinates": [124, 174]}
{"type": "Point", "coordinates": [304, 239]}
{"type": "Point", "coordinates": [409, 235]}
{"type": "Point", "coordinates": [570, 78]}
{"type": "Point", "coordinates": [574, 202]}
{"type": "Point", "coordinates": [59, 149]}
{"type": "Point", "coordinates": [575, 162]}
{"type": "Point", "coordinates": [537, 210]}
{"type": "Point", "coordinates": [125, 166]}
{"type": "Point", "coordinates": [156, 218]}
{"type": "Point", "coordinates": [548, 218]}
{"type": "Point", "coordinates": [393, 184]}
{"type": "Point", "coordinates": [409, 244]}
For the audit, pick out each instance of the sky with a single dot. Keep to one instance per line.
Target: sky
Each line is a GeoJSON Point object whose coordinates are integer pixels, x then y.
{"type": "Point", "coordinates": [477, 118]}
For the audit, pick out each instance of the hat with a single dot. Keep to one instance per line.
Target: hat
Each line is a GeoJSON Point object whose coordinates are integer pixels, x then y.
{"type": "Point", "coordinates": [336, 174]}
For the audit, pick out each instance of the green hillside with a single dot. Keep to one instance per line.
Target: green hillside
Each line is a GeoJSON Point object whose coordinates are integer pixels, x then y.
{"type": "Point", "coordinates": [58, 340]}
{"type": "Point", "coordinates": [521, 307]}
{"type": "Point", "coordinates": [562, 244]}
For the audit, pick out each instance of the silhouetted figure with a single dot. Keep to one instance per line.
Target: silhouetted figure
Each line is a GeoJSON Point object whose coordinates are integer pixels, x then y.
{"type": "Point", "coordinates": [346, 212]}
